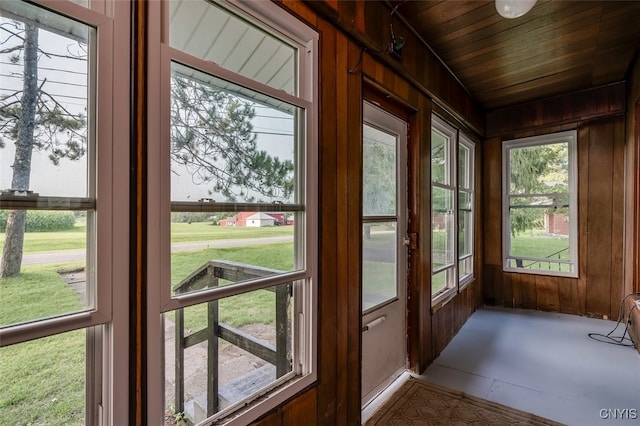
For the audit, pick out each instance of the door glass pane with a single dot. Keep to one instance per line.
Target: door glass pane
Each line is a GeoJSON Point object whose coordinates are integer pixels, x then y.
{"type": "Point", "coordinates": [43, 381]}
{"type": "Point", "coordinates": [379, 263]}
{"type": "Point", "coordinates": [209, 31]}
{"type": "Point", "coordinates": [222, 352]}
{"type": "Point", "coordinates": [379, 176]}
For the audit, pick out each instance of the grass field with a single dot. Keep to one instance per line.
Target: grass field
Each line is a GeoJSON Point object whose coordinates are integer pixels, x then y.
{"type": "Point", "coordinates": [42, 381]}
{"type": "Point", "coordinates": [75, 239]}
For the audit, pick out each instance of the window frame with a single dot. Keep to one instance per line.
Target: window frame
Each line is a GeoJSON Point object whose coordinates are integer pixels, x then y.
{"type": "Point", "coordinates": [451, 169]}
{"type": "Point", "coordinates": [571, 138]}
{"type": "Point", "coordinates": [106, 322]}
{"type": "Point", "coordinates": [465, 280]}
{"type": "Point", "coordinates": [456, 139]}
{"type": "Point", "coordinates": [275, 20]}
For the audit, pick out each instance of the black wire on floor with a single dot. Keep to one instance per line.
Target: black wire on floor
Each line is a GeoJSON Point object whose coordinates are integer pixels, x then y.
{"type": "Point", "coordinates": [618, 340]}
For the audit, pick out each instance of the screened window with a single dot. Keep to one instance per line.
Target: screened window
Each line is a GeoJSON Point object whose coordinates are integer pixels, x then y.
{"type": "Point", "coordinates": [58, 272]}
{"type": "Point", "coordinates": [239, 145]}
{"type": "Point", "coordinates": [452, 211]}
{"type": "Point", "coordinates": [540, 205]}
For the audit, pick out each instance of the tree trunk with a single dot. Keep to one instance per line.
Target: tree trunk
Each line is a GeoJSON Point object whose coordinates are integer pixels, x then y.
{"type": "Point", "coordinates": [16, 220]}
{"type": "Point", "coordinates": [12, 257]}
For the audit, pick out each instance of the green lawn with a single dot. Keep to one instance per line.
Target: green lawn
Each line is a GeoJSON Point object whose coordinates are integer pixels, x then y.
{"type": "Point", "coordinates": [35, 242]}
{"type": "Point", "coordinates": [203, 231]}
{"type": "Point", "coordinates": [76, 238]}
{"type": "Point", "coordinates": [249, 308]}
{"type": "Point", "coordinates": [42, 381]}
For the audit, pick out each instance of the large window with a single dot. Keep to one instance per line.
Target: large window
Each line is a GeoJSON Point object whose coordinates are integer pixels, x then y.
{"type": "Point", "coordinates": [540, 205]}
{"type": "Point", "coordinates": [452, 212]}
{"type": "Point", "coordinates": [59, 271]}
{"type": "Point", "coordinates": [238, 228]}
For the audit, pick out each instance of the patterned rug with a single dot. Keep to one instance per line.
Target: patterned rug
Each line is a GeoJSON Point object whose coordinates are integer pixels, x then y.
{"type": "Point", "coordinates": [421, 403]}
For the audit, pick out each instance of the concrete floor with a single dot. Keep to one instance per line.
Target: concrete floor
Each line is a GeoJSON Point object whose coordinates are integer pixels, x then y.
{"type": "Point", "coordinates": [543, 363]}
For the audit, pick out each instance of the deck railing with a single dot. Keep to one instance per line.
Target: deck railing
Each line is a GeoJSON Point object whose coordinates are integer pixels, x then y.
{"type": "Point", "coordinates": [210, 275]}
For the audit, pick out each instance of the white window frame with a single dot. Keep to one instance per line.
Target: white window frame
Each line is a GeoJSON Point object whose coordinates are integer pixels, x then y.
{"type": "Point", "coordinates": [571, 138]}
{"type": "Point", "coordinates": [106, 323]}
{"type": "Point", "coordinates": [160, 300]}
{"type": "Point", "coordinates": [451, 166]}
{"type": "Point", "coordinates": [464, 280]}
{"type": "Point", "coordinates": [456, 282]}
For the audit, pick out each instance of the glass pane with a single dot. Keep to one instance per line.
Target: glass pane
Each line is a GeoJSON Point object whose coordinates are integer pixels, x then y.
{"type": "Point", "coordinates": [215, 249]}
{"type": "Point", "coordinates": [443, 227]}
{"type": "Point", "coordinates": [231, 350]}
{"type": "Point", "coordinates": [53, 256]}
{"type": "Point", "coordinates": [442, 281]}
{"type": "Point", "coordinates": [540, 169]}
{"type": "Point", "coordinates": [50, 158]}
{"type": "Point", "coordinates": [439, 158]}
{"type": "Point", "coordinates": [464, 171]}
{"type": "Point", "coordinates": [379, 263]}
{"type": "Point", "coordinates": [229, 143]}
{"type": "Point", "coordinates": [209, 31]}
{"type": "Point", "coordinates": [43, 381]}
{"type": "Point", "coordinates": [379, 179]}
{"type": "Point", "coordinates": [539, 233]}
{"type": "Point", "coordinates": [465, 268]}
{"type": "Point", "coordinates": [465, 234]}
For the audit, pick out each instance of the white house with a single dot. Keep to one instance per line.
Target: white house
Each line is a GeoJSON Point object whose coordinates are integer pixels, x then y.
{"type": "Point", "coordinates": [260, 219]}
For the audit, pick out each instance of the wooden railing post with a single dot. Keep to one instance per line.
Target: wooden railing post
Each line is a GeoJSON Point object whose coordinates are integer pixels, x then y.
{"type": "Point", "coordinates": [212, 349]}
{"type": "Point", "coordinates": [179, 362]}
{"type": "Point", "coordinates": [282, 329]}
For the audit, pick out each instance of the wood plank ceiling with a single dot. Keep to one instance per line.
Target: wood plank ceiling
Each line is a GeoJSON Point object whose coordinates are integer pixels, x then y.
{"type": "Point", "coordinates": [556, 48]}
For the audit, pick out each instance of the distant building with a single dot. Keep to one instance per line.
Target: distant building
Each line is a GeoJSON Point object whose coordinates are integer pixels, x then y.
{"type": "Point", "coordinates": [256, 219]}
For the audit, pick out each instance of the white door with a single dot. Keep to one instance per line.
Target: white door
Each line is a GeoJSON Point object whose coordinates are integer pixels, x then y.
{"type": "Point", "coordinates": [384, 256]}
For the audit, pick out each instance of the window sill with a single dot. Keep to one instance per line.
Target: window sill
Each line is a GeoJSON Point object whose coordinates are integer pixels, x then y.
{"type": "Point", "coordinates": [442, 299]}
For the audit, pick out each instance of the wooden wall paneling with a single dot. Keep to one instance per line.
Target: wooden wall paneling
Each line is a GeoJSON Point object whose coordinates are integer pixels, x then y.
{"type": "Point", "coordinates": [352, 162]}
{"type": "Point", "coordinates": [507, 292]}
{"type": "Point", "coordinates": [302, 11]}
{"type": "Point", "coordinates": [424, 233]}
{"type": "Point", "coordinates": [418, 314]}
{"type": "Point", "coordinates": [274, 418]}
{"type": "Point", "coordinates": [583, 215]}
{"type": "Point", "coordinates": [492, 217]}
{"type": "Point", "coordinates": [374, 33]}
{"type": "Point", "coordinates": [633, 259]}
{"type": "Point", "coordinates": [529, 291]}
{"type": "Point", "coordinates": [632, 183]}
{"type": "Point", "coordinates": [343, 225]}
{"type": "Point", "coordinates": [492, 201]}
{"type": "Point", "coordinates": [328, 212]}
{"type": "Point", "coordinates": [570, 108]}
{"type": "Point", "coordinates": [617, 217]}
{"type": "Point", "coordinates": [568, 295]}
{"type": "Point", "coordinates": [599, 242]}
{"type": "Point", "coordinates": [302, 410]}
{"type": "Point", "coordinates": [516, 286]}
{"type": "Point", "coordinates": [547, 293]}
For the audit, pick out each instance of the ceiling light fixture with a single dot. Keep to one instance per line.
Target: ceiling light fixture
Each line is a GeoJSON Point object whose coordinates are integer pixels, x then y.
{"type": "Point", "coordinates": [514, 8]}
